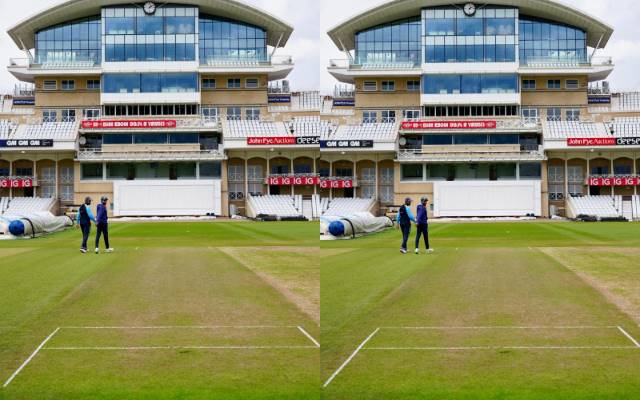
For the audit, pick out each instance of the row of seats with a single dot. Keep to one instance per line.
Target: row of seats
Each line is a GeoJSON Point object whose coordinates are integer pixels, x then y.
{"type": "Point", "coordinates": [49, 130]}
{"type": "Point", "coordinates": [7, 128]}
{"type": "Point", "coordinates": [245, 128]}
{"type": "Point", "coordinates": [309, 126]}
{"type": "Point", "coordinates": [25, 205]}
{"type": "Point", "coordinates": [386, 131]}
{"type": "Point", "coordinates": [278, 205]}
{"type": "Point", "coordinates": [626, 126]}
{"type": "Point", "coordinates": [597, 206]}
{"type": "Point", "coordinates": [628, 101]}
{"type": "Point", "coordinates": [568, 129]}
{"type": "Point", "coordinates": [636, 207]}
{"type": "Point", "coordinates": [347, 205]}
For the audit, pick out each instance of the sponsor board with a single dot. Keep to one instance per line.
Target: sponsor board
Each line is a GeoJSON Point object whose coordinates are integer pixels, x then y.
{"type": "Point", "coordinates": [292, 180]}
{"type": "Point", "coordinates": [437, 125]}
{"type": "Point", "coordinates": [336, 183]}
{"type": "Point", "coordinates": [282, 140]}
{"type": "Point", "coordinates": [346, 144]}
{"type": "Point", "coordinates": [344, 102]}
{"type": "Point", "coordinates": [614, 181]}
{"type": "Point", "coordinates": [279, 99]}
{"type": "Point", "coordinates": [603, 141]}
{"type": "Point", "coordinates": [599, 99]}
{"type": "Point", "coordinates": [26, 143]}
{"type": "Point", "coordinates": [129, 124]}
{"type": "Point", "coordinates": [15, 183]}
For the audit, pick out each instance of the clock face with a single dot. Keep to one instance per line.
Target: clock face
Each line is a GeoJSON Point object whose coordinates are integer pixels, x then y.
{"type": "Point", "coordinates": [149, 8]}
{"type": "Point", "coordinates": [470, 9]}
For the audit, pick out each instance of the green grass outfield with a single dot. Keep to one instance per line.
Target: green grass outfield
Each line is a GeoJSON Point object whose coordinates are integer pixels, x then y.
{"type": "Point", "coordinates": [174, 313]}
{"type": "Point", "coordinates": [499, 311]}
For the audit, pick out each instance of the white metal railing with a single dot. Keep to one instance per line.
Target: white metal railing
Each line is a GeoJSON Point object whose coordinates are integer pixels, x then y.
{"type": "Point", "coordinates": [171, 155]}
{"type": "Point", "coordinates": [568, 63]}
{"type": "Point", "coordinates": [470, 156]}
{"type": "Point", "coordinates": [54, 63]}
{"type": "Point", "coordinates": [372, 65]}
{"type": "Point", "coordinates": [248, 62]}
{"type": "Point", "coordinates": [501, 122]}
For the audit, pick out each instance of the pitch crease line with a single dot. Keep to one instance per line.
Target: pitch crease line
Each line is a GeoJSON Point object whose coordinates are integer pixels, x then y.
{"type": "Point", "coordinates": [629, 336]}
{"type": "Point", "coordinates": [185, 327]}
{"type": "Point", "coordinates": [35, 352]}
{"type": "Point", "coordinates": [496, 327]}
{"type": "Point", "coordinates": [348, 360]}
{"type": "Point", "coordinates": [178, 347]}
{"type": "Point", "coordinates": [506, 348]}
{"type": "Point", "coordinates": [301, 329]}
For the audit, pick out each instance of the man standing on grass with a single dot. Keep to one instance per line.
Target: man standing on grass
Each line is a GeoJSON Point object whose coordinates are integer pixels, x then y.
{"type": "Point", "coordinates": [102, 225]}
{"type": "Point", "coordinates": [404, 219]}
{"type": "Point", "coordinates": [83, 220]}
{"type": "Point", "coordinates": [422, 225]}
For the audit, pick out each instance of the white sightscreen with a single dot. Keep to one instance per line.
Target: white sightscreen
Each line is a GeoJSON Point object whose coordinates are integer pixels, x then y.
{"type": "Point", "coordinates": [166, 198]}
{"type": "Point", "coordinates": [487, 198]}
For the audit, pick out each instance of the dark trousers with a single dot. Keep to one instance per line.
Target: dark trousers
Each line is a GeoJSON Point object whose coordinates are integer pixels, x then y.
{"type": "Point", "coordinates": [422, 229]}
{"type": "Point", "coordinates": [86, 230]}
{"type": "Point", "coordinates": [406, 230]}
{"type": "Point", "coordinates": [102, 229]}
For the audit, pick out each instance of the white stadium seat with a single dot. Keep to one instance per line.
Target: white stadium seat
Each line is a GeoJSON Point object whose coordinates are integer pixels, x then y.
{"type": "Point", "coordinates": [347, 205]}
{"type": "Point", "coordinates": [597, 206]}
{"type": "Point", "coordinates": [278, 205]}
{"type": "Point", "coordinates": [25, 205]}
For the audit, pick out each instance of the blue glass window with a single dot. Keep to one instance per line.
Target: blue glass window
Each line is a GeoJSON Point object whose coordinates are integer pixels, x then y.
{"type": "Point", "coordinates": [544, 42]}
{"type": "Point", "coordinates": [451, 36]}
{"type": "Point", "coordinates": [77, 41]}
{"type": "Point", "coordinates": [474, 139]}
{"type": "Point", "coordinates": [470, 84]}
{"type": "Point", "coordinates": [184, 138]}
{"type": "Point", "coordinates": [224, 39]}
{"type": "Point", "coordinates": [150, 83]}
{"type": "Point", "coordinates": [117, 138]}
{"type": "Point", "coordinates": [395, 42]}
{"type": "Point", "coordinates": [437, 140]}
{"type": "Point", "coordinates": [168, 35]}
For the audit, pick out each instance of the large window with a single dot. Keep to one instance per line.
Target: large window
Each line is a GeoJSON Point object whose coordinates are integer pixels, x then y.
{"type": "Point", "coordinates": [77, 41]}
{"type": "Point", "coordinates": [150, 83]}
{"type": "Point", "coordinates": [452, 36]}
{"type": "Point", "coordinates": [168, 35]}
{"type": "Point", "coordinates": [224, 39]}
{"type": "Point", "coordinates": [469, 84]}
{"type": "Point", "coordinates": [396, 42]}
{"type": "Point", "coordinates": [544, 42]}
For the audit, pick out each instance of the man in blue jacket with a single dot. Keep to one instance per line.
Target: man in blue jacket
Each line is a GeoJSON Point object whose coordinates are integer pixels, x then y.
{"type": "Point", "coordinates": [404, 219]}
{"type": "Point", "coordinates": [422, 225]}
{"type": "Point", "coordinates": [102, 225]}
{"type": "Point", "coordinates": [83, 219]}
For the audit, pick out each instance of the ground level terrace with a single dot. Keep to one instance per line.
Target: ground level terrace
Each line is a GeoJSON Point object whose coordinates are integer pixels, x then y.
{"type": "Point", "coordinates": [35, 175]}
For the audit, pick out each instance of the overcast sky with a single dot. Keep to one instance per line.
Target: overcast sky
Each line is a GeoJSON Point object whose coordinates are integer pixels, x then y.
{"type": "Point", "coordinates": [311, 47]}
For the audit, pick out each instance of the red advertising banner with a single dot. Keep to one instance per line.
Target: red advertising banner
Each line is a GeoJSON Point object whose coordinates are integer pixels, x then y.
{"type": "Point", "coordinates": [270, 141]}
{"type": "Point", "coordinates": [292, 180]}
{"type": "Point", "coordinates": [15, 183]}
{"type": "Point", "coordinates": [129, 124]}
{"type": "Point", "coordinates": [336, 183]}
{"type": "Point", "coordinates": [433, 125]}
{"type": "Point", "coordinates": [581, 142]}
{"type": "Point", "coordinates": [614, 181]}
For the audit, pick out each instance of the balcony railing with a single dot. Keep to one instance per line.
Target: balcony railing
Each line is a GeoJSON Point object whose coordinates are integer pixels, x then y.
{"type": "Point", "coordinates": [502, 123]}
{"type": "Point", "coordinates": [470, 156]}
{"type": "Point", "coordinates": [550, 63]}
{"type": "Point", "coordinates": [247, 62]}
{"type": "Point", "coordinates": [54, 64]}
{"type": "Point", "coordinates": [372, 65]}
{"type": "Point", "coordinates": [168, 155]}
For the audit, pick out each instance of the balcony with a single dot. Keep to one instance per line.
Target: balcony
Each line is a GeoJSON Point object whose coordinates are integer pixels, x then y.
{"type": "Point", "coordinates": [422, 155]}
{"type": "Point", "coordinates": [53, 64]}
{"type": "Point", "coordinates": [200, 123]}
{"type": "Point", "coordinates": [346, 70]}
{"type": "Point", "coordinates": [501, 124]}
{"type": "Point", "coordinates": [149, 156]}
{"type": "Point", "coordinates": [596, 68]}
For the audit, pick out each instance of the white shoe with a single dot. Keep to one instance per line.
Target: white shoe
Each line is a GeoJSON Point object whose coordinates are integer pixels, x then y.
{"type": "Point", "coordinates": [417, 251]}
{"type": "Point", "coordinates": [97, 250]}
{"type": "Point", "coordinates": [83, 250]}
{"type": "Point", "coordinates": [109, 250]}
{"type": "Point", "coordinates": [403, 251]}
{"type": "Point", "coordinates": [429, 251]}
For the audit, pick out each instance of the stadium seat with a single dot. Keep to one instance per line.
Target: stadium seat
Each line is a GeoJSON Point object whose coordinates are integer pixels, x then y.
{"type": "Point", "coordinates": [25, 205]}
{"type": "Point", "coordinates": [278, 205]}
{"type": "Point", "coordinates": [347, 205]}
{"type": "Point", "coordinates": [597, 206]}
